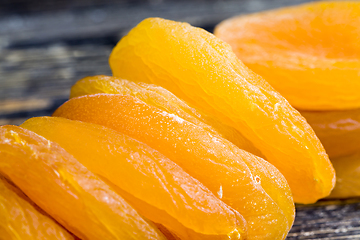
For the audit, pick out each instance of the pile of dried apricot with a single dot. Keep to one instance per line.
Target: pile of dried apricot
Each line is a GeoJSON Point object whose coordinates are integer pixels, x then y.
{"type": "Point", "coordinates": [192, 145]}
{"type": "Point", "coordinates": [311, 55]}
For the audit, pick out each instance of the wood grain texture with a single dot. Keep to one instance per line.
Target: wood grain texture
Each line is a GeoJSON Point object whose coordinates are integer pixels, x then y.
{"type": "Point", "coordinates": [109, 20]}
{"type": "Point", "coordinates": [336, 219]}
{"type": "Point", "coordinates": [45, 49]}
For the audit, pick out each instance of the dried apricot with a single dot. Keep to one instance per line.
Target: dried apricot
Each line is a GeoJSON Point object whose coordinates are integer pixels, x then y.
{"type": "Point", "coordinates": [20, 219]}
{"type": "Point", "coordinates": [245, 182]}
{"type": "Point", "coordinates": [201, 69]}
{"type": "Point", "coordinates": [338, 131]}
{"type": "Point", "coordinates": [347, 176]}
{"type": "Point", "coordinates": [66, 190]}
{"type": "Point", "coordinates": [300, 51]}
{"type": "Point", "coordinates": [159, 97]}
{"type": "Point", "coordinates": [159, 189]}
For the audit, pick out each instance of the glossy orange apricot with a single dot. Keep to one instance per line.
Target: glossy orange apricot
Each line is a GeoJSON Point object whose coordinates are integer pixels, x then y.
{"type": "Point", "coordinates": [309, 53]}
{"type": "Point", "coordinates": [347, 176]}
{"type": "Point", "coordinates": [338, 131]}
{"type": "Point", "coordinates": [20, 219]}
{"type": "Point", "coordinates": [201, 69]}
{"type": "Point", "coordinates": [245, 182]}
{"type": "Point", "coordinates": [159, 189]}
{"type": "Point", "coordinates": [159, 97]}
{"type": "Point", "coordinates": [66, 190]}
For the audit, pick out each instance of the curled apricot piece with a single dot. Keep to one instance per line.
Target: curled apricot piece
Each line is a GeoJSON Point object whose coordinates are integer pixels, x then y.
{"type": "Point", "coordinates": [201, 69]}
{"type": "Point", "coordinates": [338, 131]}
{"type": "Point", "coordinates": [161, 98]}
{"type": "Point", "coordinates": [309, 53]}
{"type": "Point", "coordinates": [21, 220]}
{"type": "Point", "coordinates": [66, 190]}
{"type": "Point", "coordinates": [244, 181]}
{"type": "Point", "coordinates": [159, 189]}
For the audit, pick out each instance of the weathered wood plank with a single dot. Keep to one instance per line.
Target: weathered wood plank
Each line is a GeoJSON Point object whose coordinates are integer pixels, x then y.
{"type": "Point", "coordinates": [117, 19]}
{"type": "Point", "coordinates": [339, 219]}
{"type": "Point", "coordinates": [49, 72]}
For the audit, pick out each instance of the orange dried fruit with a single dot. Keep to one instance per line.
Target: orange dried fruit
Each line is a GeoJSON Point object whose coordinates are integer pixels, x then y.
{"type": "Point", "coordinates": [347, 176]}
{"type": "Point", "coordinates": [21, 219]}
{"type": "Point", "coordinates": [159, 189]}
{"type": "Point", "coordinates": [161, 98]}
{"type": "Point", "coordinates": [66, 190]}
{"type": "Point", "coordinates": [201, 69]}
{"type": "Point", "coordinates": [338, 131]}
{"type": "Point", "coordinates": [298, 51]}
{"type": "Point", "coordinates": [309, 53]}
{"type": "Point", "coordinates": [244, 181]}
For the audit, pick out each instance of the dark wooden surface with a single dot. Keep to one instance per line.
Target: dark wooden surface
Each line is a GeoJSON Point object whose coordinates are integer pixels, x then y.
{"type": "Point", "coordinates": [46, 46]}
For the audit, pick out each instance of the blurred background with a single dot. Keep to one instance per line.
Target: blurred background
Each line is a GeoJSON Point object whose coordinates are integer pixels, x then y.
{"type": "Point", "coordinates": [46, 46]}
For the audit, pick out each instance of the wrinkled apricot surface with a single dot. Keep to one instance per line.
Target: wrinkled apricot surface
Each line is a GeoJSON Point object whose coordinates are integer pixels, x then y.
{"type": "Point", "coordinates": [347, 176]}
{"type": "Point", "coordinates": [247, 183]}
{"type": "Point", "coordinates": [201, 69]}
{"type": "Point", "coordinates": [66, 190]}
{"type": "Point", "coordinates": [309, 53]}
{"type": "Point", "coordinates": [338, 131]}
{"type": "Point", "coordinates": [161, 98]}
{"type": "Point", "coordinates": [21, 220]}
{"type": "Point", "coordinates": [159, 189]}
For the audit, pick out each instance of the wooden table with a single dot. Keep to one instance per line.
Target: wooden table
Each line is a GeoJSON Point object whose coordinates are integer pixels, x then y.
{"type": "Point", "coordinates": [45, 48]}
